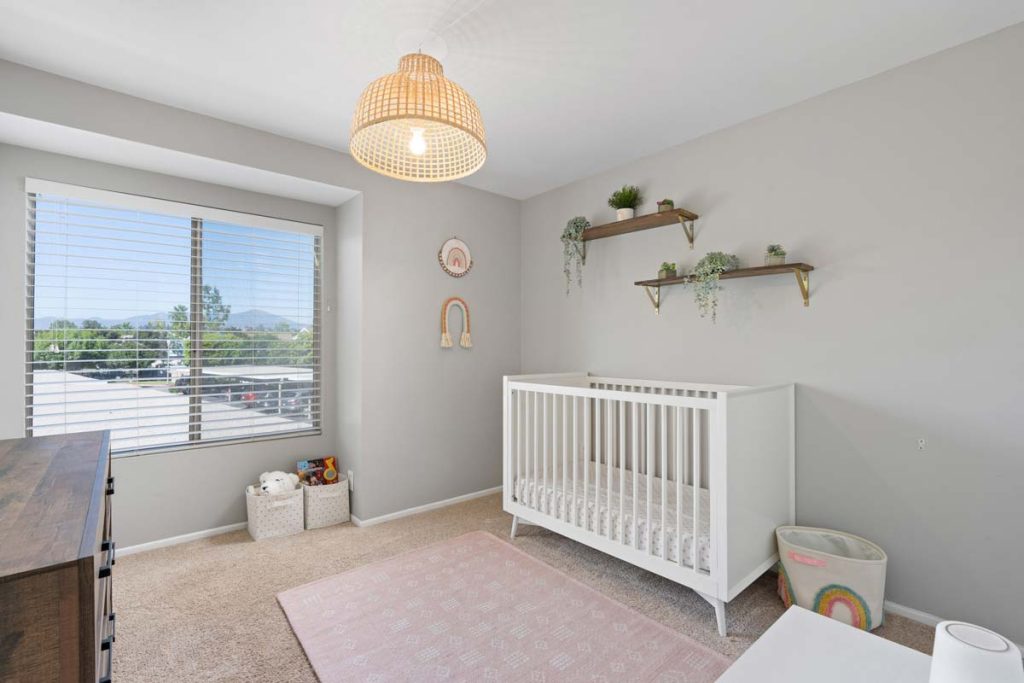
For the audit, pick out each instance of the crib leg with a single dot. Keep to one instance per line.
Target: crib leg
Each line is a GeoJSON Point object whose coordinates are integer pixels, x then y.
{"type": "Point", "coordinates": [719, 606]}
{"type": "Point", "coordinates": [515, 525]}
{"type": "Point", "coordinates": [720, 617]}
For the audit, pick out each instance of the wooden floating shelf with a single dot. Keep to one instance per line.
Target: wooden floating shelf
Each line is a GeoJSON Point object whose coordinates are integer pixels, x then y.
{"type": "Point", "coordinates": [646, 222]}
{"type": "Point", "coordinates": [801, 270]}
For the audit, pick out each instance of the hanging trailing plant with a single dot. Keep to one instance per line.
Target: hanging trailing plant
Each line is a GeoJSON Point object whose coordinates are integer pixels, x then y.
{"type": "Point", "coordinates": [573, 256]}
{"type": "Point", "coordinates": [705, 281]}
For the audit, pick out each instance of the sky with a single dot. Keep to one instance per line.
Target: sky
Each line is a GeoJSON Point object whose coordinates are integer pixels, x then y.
{"type": "Point", "coordinates": [95, 262]}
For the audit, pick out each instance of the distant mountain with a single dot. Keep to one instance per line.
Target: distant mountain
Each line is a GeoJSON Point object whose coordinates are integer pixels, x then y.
{"type": "Point", "coordinates": [256, 319]}
{"type": "Point", "coordinates": [251, 319]}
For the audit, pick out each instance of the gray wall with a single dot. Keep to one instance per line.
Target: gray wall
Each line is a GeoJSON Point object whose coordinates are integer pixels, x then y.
{"type": "Point", "coordinates": [904, 192]}
{"type": "Point", "coordinates": [421, 424]}
{"type": "Point", "coordinates": [171, 493]}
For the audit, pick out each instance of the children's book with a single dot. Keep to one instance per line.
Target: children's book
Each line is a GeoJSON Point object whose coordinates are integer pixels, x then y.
{"type": "Point", "coordinates": [318, 471]}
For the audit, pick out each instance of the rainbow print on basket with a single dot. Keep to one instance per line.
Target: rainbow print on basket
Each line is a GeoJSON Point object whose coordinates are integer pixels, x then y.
{"type": "Point", "coordinates": [833, 573]}
{"type": "Point", "coordinates": [785, 588]}
{"type": "Point", "coordinates": [833, 594]}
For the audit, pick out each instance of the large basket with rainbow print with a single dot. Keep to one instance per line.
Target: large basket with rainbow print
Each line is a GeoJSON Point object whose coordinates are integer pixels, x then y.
{"type": "Point", "coordinates": [833, 573]}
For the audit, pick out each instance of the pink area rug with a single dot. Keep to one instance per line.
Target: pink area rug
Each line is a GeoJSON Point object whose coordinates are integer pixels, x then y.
{"type": "Point", "coordinates": [475, 608]}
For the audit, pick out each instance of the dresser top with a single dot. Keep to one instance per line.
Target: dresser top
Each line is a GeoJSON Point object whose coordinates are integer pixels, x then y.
{"type": "Point", "coordinates": [51, 493]}
{"type": "Point", "coordinates": [805, 647]}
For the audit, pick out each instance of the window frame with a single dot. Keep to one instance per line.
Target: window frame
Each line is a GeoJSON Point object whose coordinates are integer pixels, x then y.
{"type": "Point", "coordinates": [198, 214]}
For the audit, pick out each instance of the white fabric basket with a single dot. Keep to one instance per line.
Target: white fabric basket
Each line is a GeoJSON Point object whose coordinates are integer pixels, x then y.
{"type": "Point", "coordinates": [326, 505]}
{"type": "Point", "coordinates": [277, 515]}
{"type": "Point", "coordinates": [839, 575]}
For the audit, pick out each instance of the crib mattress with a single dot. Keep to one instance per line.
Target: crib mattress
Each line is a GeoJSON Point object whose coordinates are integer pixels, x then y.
{"type": "Point", "coordinates": [553, 499]}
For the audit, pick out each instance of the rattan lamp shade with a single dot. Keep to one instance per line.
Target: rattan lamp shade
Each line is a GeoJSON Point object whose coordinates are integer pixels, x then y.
{"type": "Point", "coordinates": [417, 125]}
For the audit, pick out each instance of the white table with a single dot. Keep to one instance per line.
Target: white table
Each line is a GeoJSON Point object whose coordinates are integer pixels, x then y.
{"type": "Point", "coordinates": [805, 647]}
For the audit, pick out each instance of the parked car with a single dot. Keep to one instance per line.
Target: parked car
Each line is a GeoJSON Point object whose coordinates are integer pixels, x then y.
{"type": "Point", "coordinates": [298, 401]}
{"type": "Point", "coordinates": [245, 394]}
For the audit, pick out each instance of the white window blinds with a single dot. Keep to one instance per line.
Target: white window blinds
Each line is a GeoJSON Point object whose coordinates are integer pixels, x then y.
{"type": "Point", "coordinates": [169, 324]}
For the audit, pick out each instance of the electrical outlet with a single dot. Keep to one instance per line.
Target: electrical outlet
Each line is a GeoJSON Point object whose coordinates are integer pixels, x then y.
{"type": "Point", "coordinates": [352, 482]}
{"type": "Point", "coordinates": [920, 444]}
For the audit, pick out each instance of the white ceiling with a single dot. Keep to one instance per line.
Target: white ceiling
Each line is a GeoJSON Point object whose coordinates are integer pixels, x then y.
{"type": "Point", "coordinates": [567, 87]}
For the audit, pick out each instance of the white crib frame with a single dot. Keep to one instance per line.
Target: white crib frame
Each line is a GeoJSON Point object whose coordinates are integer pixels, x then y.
{"type": "Point", "coordinates": [750, 454]}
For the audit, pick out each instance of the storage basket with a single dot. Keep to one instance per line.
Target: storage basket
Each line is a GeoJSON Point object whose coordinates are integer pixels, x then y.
{"type": "Point", "coordinates": [326, 505]}
{"type": "Point", "coordinates": [277, 515]}
{"type": "Point", "coordinates": [839, 575]}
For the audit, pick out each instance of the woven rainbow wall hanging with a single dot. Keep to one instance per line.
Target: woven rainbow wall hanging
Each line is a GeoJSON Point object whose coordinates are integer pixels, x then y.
{"type": "Point", "coordinates": [446, 339]}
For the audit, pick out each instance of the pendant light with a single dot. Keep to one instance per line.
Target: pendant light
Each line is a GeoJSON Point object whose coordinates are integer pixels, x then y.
{"type": "Point", "coordinates": [417, 125]}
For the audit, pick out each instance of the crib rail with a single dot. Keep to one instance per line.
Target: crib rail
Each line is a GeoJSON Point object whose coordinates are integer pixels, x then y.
{"type": "Point", "coordinates": [628, 467]}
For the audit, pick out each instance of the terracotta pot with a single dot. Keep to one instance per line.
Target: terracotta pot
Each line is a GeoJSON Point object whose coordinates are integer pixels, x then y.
{"type": "Point", "coordinates": [624, 214]}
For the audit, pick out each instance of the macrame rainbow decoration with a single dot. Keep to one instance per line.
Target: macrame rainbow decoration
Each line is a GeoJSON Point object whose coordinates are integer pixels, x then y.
{"type": "Point", "coordinates": [446, 339]}
{"type": "Point", "coordinates": [834, 594]}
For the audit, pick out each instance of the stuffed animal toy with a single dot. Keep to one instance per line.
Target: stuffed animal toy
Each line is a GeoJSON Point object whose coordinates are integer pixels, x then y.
{"type": "Point", "coordinates": [278, 482]}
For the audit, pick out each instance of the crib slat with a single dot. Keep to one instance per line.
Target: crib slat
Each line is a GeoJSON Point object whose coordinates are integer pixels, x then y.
{"type": "Point", "coordinates": [680, 436]}
{"type": "Point", "coordinates": [636, 474]}
{"type": "Point", "coordinates": [586, 459]}
{"type": "Point", "coordinates": [695, 541]}
{"type": "Point", "coordinates": [664, 477]}
{"type": "Point", "coordinates": [609, 450]}
{"type": "Point", "coordinates": [527, 444]}
{"type": "Point", "coordinates": [542, 503]}
{"type": "Point", "coordinates": [553, 435]}
{"type": "Point", "coordinates": [622, 472]}
{"type": "Point", "coordinates": [565, 458]}
{"type": "Point", "coordinates": [518, 452]}
{"type": "Point", "coordinates": [554, 454]}
{"type": "Point", "coordinates": [575, 456]}
{"type": "Point", "coordinates": [534, 479]}
{"type": "Point", "coordinates": [597, 465]}
{"type": "Point", "coordinates": [649, 448]}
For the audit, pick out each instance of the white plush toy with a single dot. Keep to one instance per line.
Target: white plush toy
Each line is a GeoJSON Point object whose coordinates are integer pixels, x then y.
{"type": "Point", "coordinates": [278, 482]}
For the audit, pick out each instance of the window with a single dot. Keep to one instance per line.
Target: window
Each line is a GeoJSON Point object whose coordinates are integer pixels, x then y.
{"type": "Point", "coordinates": [170, 325]}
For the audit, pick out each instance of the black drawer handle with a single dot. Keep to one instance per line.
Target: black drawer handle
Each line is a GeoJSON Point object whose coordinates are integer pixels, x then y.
{"type": "Point", "coordinates": [110, 666]}
{"type": "Point", "coordinates": [108, 642]}
{"type": "Point", "coordinates": [110, 486]}
{"type": "Point", "coordinates": [111, 548]}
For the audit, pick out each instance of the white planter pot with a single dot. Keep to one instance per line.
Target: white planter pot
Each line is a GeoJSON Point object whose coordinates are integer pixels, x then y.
{"type": "Point", "coordinates": [623, 214]}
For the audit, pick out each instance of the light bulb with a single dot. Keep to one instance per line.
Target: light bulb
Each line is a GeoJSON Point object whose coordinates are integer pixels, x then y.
{"type": "Point", "coordinates": [417, 144]}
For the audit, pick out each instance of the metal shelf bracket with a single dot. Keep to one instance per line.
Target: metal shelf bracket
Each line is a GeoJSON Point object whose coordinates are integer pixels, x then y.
{"type": "Point", "coordinates": [654, 294]}
{"type": "Point", "coordinates": [803, 279]}
{"type": "Point", "coordinates": [688, 229]}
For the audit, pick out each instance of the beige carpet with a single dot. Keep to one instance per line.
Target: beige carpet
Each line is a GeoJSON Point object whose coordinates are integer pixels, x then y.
{"type": "Point", "coordinates": [207, 611]}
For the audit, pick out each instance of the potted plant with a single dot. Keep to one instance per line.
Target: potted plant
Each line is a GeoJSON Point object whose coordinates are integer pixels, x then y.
{"type": "Point", "coordinates": [775, 255]}
{"type": "Point", "coordinates": [574, 255]}
{"type": "Point", "coordinates": [705, 281]}
{"type": "Point", "coordinates": [624, 201]}
{"type": "Point", "coordinates": [666, 205]}
{"type": "Point", "coordinates": [667, 270]}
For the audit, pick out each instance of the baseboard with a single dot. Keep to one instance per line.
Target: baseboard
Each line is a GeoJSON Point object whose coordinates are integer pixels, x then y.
{"type": "Point", "coordinates": [175, 540]}
{"type": "Point", "coordinates": [206, 533]}
{"type": "Point", "coordinates": [423, 508]}
{"type": "Point", "coordinates": [910, 613]}
{"type": "Point", "coordinates": [925, 618]}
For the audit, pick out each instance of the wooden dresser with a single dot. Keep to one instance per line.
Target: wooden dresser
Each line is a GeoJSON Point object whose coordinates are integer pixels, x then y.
{"type": "Point", "coordinates": [56, 558]}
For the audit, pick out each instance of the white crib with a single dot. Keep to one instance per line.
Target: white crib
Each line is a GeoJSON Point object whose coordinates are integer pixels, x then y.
{"type": "Point", "coordinates": [688, 481]}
